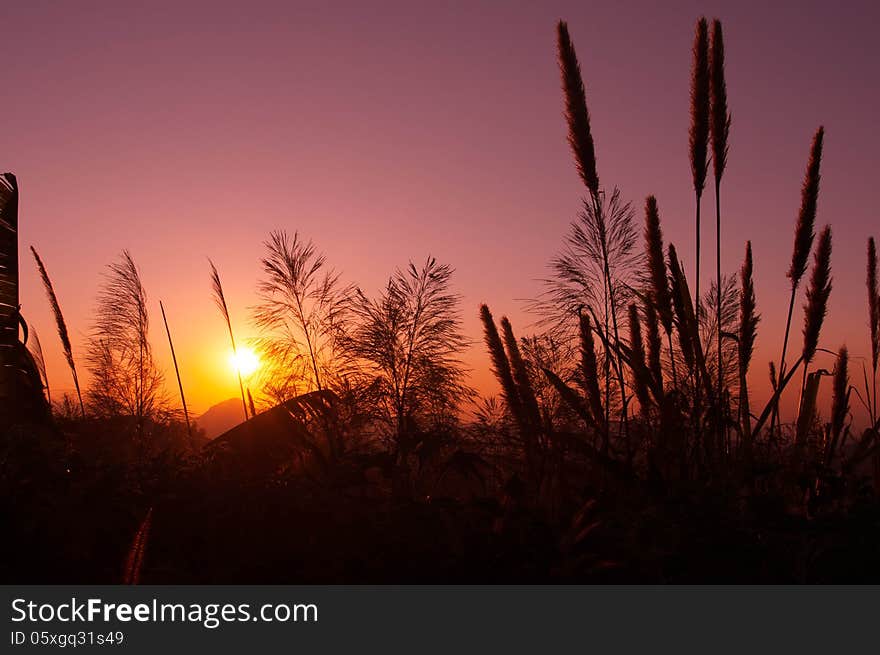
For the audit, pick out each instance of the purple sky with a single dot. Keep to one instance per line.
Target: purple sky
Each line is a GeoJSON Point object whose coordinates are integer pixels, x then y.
{"type": "Point", "coordinates": [387, 132]}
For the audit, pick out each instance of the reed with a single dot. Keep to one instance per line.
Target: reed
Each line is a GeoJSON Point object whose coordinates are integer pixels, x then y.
{"type": "Point", "coordinates": [589, 370]}
{"type": "Point", "coordinates": [521, 375]}
{"type": "Point", "coordinates": [680, 304]}
{"type": "Point", "coordinates": [699, 131]}
{"type": "Point", "coordinates": [748, 330]}
{"type": "Point", "coordinates": [660, 294]}
{"type": "Point", "coordinates": [638, 362]}
{"type": "Point", "coordinates": [839, 395]}
{"type": "Point", "coordinates": [818, 292]}
{"type": "Point", "coordinates": [580, 139]}
{"type": "Point", "coordinates": [36, 349]}
{"type": "Point", "coordinates": [803, 238]}
{"type": "Point", "coordinates": [874, 323]}
{"type": "Point", "coordinates": [220, 301]}
{"type": "Point", "coordinates": [655, 345]}
{"type": "Point", "coordinates": [501, 365]}
{"type": "Point", "coordinates": [61, 325]}
{"type": "Point", "coordinates": [176, 371]}
{"type": "Point", "coordinates": [720, 131]}
{"type": "Point", "coordinates": [577, 115]}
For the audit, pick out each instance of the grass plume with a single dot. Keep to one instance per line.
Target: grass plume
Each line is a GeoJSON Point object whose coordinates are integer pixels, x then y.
{"type": "Point", "coordinates": [748, 330]}
{"type": "Point", "coordinates": [840, 394]}
{"type": "Point", "coordinates": [501, 364]}
{"type": "Point", "coordinates": [638, 361]}
{"type": "Point", "coordinates": [520, 375]}
{"type": "Point", "coordinates": [803, 236]}
{"type": "Point", "coordinates": [36, 350]}
{"type": "Point", "coordinates": [874, 322]}
{"type": "Point", "coordinates": [720, 131]}
{"type": "Point", "coordinates": [220, 301]}
{"type": "Point", "coordinates": [817, 296]}
{"type": "Point", "coordinates": [699, 130]}
{"type": "Point", "coordinates": [580, 136]}
{"type": "Point", "coordinates": [589, 369]}
{"type": "Point", "coordinates": [61, 325]}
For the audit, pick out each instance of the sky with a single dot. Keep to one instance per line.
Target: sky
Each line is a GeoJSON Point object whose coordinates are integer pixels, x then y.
{"type": "Point", "coordinates": [390, 131]}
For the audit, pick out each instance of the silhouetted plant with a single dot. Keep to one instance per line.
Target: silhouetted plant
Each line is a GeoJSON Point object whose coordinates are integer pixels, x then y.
{"type": "Point", "coordinates": [699, 129]}
{"type": "Point", "coordinates": [61, 325]}
{"type": "Point", "coordinates": [302, 310]}
{"type": "Point", "coordinates": [125, 379]}
{"type": "Point", "coordinates": [720, 130]}
{"type": "Point", "coordinates": [220, 301]}
{"type": "Point", "coordinates": [748, 331]}
{"type": "Point", "coordinates": [874, 327]}
{"type": "Point", "coordinates": [839, 397]}
{"type": "Point", "coordinates": [817, 296]}
{"type": "Point", "coordinates": [605, 234]}
{"type": "Point", "coordinates": [410, 342]}
{"type": "Point", "coordinates": [176, 372]}
{"type": "Point", "coordinates": [660, 294]}
{"type": "Point", "coordinates": [803, 235]}
{"type": "Point", "coordinates": [36, 349]}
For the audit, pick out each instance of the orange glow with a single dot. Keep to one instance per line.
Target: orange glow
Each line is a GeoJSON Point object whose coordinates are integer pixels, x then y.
{"type": "Point", "coordinates": [244, 361]}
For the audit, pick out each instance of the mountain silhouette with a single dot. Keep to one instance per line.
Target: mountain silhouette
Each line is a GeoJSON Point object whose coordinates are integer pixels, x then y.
{"type": "Point", "coordinates": [221, 417]}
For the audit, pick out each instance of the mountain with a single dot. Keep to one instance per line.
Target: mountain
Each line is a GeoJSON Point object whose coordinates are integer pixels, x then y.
{"type": "Point", "coordinates": [221, 417]}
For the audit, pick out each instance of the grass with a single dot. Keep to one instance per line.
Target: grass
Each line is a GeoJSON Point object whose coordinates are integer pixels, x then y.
{"type": "Point", "coordinates": [624, 446]}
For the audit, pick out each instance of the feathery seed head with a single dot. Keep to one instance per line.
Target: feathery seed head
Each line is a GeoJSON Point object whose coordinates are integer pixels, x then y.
{"type": "Point", "coordinates": [817, 295]}
{"type": "Point", "coordinates": [699, 131]}
{"type": "Point", "coordinates": [580, 137]}
{"type": "Point", "coordinates": [720, 119]}
{"type": "Point", "coordinates": [803, 234]}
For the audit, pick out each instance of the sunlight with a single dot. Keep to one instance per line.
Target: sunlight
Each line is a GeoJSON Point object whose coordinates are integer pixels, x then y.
{"type": "Point", "coordinates": [244, 361]}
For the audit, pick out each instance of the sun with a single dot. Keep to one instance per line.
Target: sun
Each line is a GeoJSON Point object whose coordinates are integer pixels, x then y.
{"type": "Point", "coordinates": [244, 361]}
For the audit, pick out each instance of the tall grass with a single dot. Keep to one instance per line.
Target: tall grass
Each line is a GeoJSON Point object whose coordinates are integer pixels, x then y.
{"type": "Point", "coordinates": [61, 325]}
{"type": "Point", "coordinates": [176, 371]}
{"type": "Point", "coordinates": [720, 131]}
{"type": "Point", "coordinates": [710, 341]}
{"type": "Point", "coordinates": [610, 236]}
{"type": "Point", "coordinates": [220, 301]}
{"type": "Point", "coordinates": [748, 331]}
{"type": "Point", "coordinates": [36, 349]}
{"type": "Point", "coordinates": [699, 130]}
{"type": "Point", "coordinates": [803, 237]}
{"type": "Point", "coordinates": [874, 327]}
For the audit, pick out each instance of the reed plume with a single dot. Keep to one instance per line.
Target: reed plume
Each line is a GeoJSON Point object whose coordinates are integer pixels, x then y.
{"type": "Point", "coordinates": [688, 330]}
{"type": "Point", "coordinates": [61, 325]}
{"type": "Point", "coordinates": [521, 375]}
{"type": "Point", "coordinates": [720, 130]}
{"type": "Point", "coordinates": [36, 350]}
{"type": "Point", "coordinates": [817, 296]}
{"type": "Point", "coordinates": [803, 237]}
{"type": "Point", "coordinates": [874, 321]}
{"type": "Point", "coordinates": [699, 131]}
{"type": "Point", "coordinates": [748, 330]}
{"type": "Point", "coordinates": [839, 395]}
{"type": "Point", "coordinates": [580, 139]}
{"type": "Point", "coordinates": [220, 301]}
{"type": "Point", "coordinates": [655, 344]}
{"type": "Point", "coordinates": [720, 115]}
{"type": "Point", "coordinates": [657, 265]}
{"type": "Point", "coordinates": [660, 293]}
{"type": "Point", "coordinates": [679, 290]}
{"type": "Point", "coordinates": [501, 365]}
{"type": "Point", "coordinates": [638, 360]}
{"type": "Point", "coordinates": [577, 115]}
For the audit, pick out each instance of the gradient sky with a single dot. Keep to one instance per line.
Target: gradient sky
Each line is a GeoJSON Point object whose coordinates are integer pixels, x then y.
{"type": "Point", "coordinates": [389, 131]}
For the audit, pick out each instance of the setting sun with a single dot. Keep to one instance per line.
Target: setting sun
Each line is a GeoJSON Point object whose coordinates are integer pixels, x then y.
{"type": "Point", "coordinates": [244, 361]}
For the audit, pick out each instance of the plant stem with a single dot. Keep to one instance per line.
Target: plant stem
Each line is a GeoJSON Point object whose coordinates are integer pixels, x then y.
{"type": "Point", "coordinates": [177, 371]}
